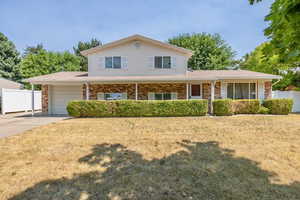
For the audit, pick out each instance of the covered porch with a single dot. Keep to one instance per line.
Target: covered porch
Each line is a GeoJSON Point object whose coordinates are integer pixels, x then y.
{"type": "Point", "coordinates": [55, 97]}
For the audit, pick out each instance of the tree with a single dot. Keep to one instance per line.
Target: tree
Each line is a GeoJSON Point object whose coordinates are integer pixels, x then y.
{"type": "Point", "coordinates": [33, 49]}
{"type": "Point", "coordinates": [284, 29]}
{"type": "Point", "coordinates": [9, 59]}
{"type": "Point", "coordinates": [81, 46]}
{"type": "Point", "coordinates": [46, 62]}
{"type": "Point", "coordinates": [210, 51]}
{"type": "Point", "coordinates": [258, 61]}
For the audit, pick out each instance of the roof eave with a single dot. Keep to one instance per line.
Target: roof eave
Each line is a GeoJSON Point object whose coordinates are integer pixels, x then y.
{"type": "Point", "coordinates": [136, 37]}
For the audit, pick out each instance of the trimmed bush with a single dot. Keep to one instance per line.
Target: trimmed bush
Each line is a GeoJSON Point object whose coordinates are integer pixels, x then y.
{"type": "Point", "coordinates": [222, 107]}
{"type": "Point", "coordinates": [246, 106]}
{"type": "Point", "coordinates": [131, 108]}
{"type": "Point", "coordinates": [279, 106]}
{"type": "Point", "coordinates": [263, 110]}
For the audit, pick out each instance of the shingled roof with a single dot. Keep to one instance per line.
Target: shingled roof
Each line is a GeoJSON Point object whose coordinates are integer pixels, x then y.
{"type": "Point", "coordinates": [201, 75]}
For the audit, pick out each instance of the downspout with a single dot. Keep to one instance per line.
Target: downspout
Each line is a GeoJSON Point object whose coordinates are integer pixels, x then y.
{"type": "Point", "coordinates": [276, 82]}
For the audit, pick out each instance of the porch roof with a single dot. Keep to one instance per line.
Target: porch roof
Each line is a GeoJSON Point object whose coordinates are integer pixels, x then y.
{"type": "Point", "coordinates": [198, 75]}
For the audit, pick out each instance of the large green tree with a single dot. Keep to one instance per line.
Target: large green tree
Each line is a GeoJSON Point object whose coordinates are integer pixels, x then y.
{"type": "Point", "coordinates": [9, 59]}
{"type": "Point", "coordinates": [33, 49]}
{"type": "Point", "coordinates": [284, 29]}
{"type": "Point", "coordinates": [81, 46]}
{"type": "Point", "coordinates": [258, 61]}
{"type": "Point", "coordinates": [210, 51]}
{"type": "Point", "coordinates": [46, 62]}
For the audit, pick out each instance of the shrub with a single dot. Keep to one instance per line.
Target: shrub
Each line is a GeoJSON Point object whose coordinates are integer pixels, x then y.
{"type": "Point", "coordinates": [222, 107]}
{"type": "Point", "coordinates": [246, 106]}
{"type": "Point", "coordinates": [90, 108]}
{"type": "Point", "coordinates": [279, 106]}
{"type": "Point", "coordinates": [130, 108]}
{"type": "Point", "coordinates": [263, 110]}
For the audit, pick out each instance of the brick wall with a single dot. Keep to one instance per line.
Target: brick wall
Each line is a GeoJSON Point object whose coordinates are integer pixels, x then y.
{"type": "Point", "coordinates": [206, 89]}
{"type": "Point", "coordinates": [268, 90]}
{"type": "Point", "coordinates": [110, 88]}
{"type": "Point", "coordinates": [180, 88]}
{"type": "Point", "coordinates": [45, 98]}
{"type": "Point", "coordinates": [143, 89]}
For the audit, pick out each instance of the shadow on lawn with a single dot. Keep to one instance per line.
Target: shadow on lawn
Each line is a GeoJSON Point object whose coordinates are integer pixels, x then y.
{"type": "Point", "coordinates": [204, 171]}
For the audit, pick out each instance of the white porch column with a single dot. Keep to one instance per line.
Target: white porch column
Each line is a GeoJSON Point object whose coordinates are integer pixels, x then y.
{"type": "Point", "coordinates": [136, 92]}
{"type": "Point", "coordinates": [212, 95]}
{"type": "Point", "coordinates": [187, 91]}
{"type": "Point", "coordinates": [32, 99]}
{"type": "Point", "coordinates": [87, 91]}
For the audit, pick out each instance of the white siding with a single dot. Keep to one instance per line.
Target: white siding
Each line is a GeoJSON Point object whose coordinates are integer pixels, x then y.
{"type": "Point", "coordinates": [61, 95]}
{"type": "Point", "coordinates": [223, 90]}
{"type": "Point", "coordinates": [261, 90]}
{"type": "Point", "coordinates": [139, 60]}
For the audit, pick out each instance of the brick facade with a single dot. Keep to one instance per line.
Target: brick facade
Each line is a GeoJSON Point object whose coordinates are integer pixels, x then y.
{"type": "Point", "coordinates": [45, 98]}
{"type": "Point", "coordinates": [110, 88]}
{"type": "Point", "coordinates": [206, 90]}
{"type": "Point", "coordinates": [143, 89]}
{"type": "Point", "coordinates": [180, 88]}
{"type": "Point", "coordinates": [268, 90]}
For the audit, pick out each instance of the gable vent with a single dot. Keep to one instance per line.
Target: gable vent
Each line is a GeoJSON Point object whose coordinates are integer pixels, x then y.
{"type": "Point", "coordinates": [137, 44]}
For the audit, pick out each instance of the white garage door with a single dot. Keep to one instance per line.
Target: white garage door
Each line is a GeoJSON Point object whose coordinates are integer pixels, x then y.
{"type": "Point", "coordinates": [61, 95]}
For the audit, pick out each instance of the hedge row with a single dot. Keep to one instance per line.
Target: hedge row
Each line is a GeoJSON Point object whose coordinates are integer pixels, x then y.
{"type": "Point", "coordinates": [279, 106]}
{"type": "Point", "coordinates": [130, 108]}
{"type": "Point", "coordinates": [225, 107]}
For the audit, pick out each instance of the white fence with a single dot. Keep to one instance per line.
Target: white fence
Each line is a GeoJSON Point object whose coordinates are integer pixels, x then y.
{"type": "Point", "coordinates": [14, 100]}
{"type": "Point", "coordinates": [295, 95]}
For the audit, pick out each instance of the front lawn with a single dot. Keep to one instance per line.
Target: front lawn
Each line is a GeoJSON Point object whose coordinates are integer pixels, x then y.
{"type": "Point", "coordinates": [238, 157]}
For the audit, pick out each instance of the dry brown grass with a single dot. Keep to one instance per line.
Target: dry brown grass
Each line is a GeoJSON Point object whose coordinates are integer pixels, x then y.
{"type": "Point", "coordinates": [239, 157]}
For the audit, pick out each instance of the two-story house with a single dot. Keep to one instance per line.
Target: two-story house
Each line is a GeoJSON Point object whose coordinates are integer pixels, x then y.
{"type": "Point", "coordinates": [140, 68]}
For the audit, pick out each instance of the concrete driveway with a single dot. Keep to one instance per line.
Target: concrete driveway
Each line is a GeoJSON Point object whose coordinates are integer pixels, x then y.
{"type": "Point", "coordinates": [12, 124]}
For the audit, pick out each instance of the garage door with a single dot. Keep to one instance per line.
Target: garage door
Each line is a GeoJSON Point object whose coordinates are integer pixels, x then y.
{"type": "Point", "coordinates": [61, 95]}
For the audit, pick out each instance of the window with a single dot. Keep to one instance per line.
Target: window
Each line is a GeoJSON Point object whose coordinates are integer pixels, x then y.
{"type": "Point", "coordinates": [196, 90]}
{"type": "Point", "coordinates": [113, 62]}
{"type": "Point", "coordinates": [162, 96]}
{"type": "Point", "coordinates": [162, 62]}
{"type": "Point", "coordinates": [241, 90]}
{"type": "Point", "coordinates": [115, 96]}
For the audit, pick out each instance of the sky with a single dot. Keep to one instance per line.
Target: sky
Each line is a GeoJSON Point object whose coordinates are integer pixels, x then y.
{"type": "Point", "coordinates": [60, 24]}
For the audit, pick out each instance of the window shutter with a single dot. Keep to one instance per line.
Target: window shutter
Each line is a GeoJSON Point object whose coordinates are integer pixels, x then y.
{"type": "Point", "coordinates": [151, 62]}
{"type": "Point", "coordinates": [174, 95]}
{"type": "Point", "coordinates": [124, 61]}
{"type": "Point", "coordinates": [151, 96]}
{"type": "Point", "coordinates": [223, 90]}
{"type": "Point", "coordinates": [101, 61]}
{"type": "Point", "coordinates": [100, 96]}
{"type": "Point", "coordinates": [124, 96]}
{"type": "Point", "coordinates": [173, 62]}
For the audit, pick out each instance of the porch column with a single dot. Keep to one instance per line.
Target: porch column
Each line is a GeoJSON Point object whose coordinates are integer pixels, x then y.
{"type": "Point", "coordinates": [136, 92]}
{"type": "Point", "coordinates": [32, 100]}
{"type": "Point", "coordinates": [87, 91]}
{"type": "Point", "coordinates": [187, 91]}
{"type": "Point", "coordinates": [212, 95]}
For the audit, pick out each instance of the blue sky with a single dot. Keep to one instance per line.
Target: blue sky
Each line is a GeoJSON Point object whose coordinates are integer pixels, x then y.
{"type": "Point", "coordinates": [60, 24]}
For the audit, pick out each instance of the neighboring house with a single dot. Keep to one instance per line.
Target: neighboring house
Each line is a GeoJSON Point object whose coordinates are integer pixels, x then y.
{"type": "Point", "coordinates": [8, 84]}
{"type": "Point", "coordinates": [141, 68]}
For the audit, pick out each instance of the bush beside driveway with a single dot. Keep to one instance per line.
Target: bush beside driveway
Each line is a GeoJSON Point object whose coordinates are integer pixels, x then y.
{"type": "Point", "coordinates": [238, 157]}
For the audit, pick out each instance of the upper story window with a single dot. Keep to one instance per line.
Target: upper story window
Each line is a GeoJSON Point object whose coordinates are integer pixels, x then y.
{"type": "Point", "coordinates": [113, 62]}
{"type": "Point", "coordinates": [162, 62]}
